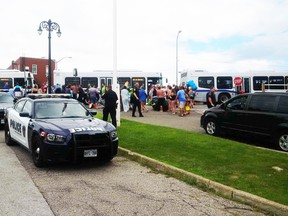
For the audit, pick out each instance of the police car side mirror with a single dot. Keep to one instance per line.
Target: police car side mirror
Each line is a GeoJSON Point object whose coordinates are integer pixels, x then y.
{"type": "Point", "coordinates": [24, 114]}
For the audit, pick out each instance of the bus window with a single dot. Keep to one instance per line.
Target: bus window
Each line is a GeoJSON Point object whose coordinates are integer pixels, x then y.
{"type": "Point", "coordinates": [154, 81]}
{"type": "Point", "coordinates": [6, 83]}
{"type": "Point", "coordinates": [140, 80]}
{"type": "Point", "coordinates": [257, 82]}
{"type": "Point", "coordinates": [224, 82]}
{"type": "Point", "coordinates": [85, 81]}
{"type": "Point", "coordinates": [206, 82]}
{"type": "Point", "coordinates": [276, 82]}
{"type": "Point", "coordinates": [19, 81]}
{"type": "Point", "coordinates": [123, 80]}
{"type": "Point", "coordinates": [102, 80]}
{"type": "Point", "coordinates": [71, 80]}
{"type": "Point", "coordinates": [109, 81]}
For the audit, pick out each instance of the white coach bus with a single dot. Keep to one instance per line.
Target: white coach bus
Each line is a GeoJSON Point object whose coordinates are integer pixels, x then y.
{"type": "Point", "coordinates": [98, 77]}
{"type": "Point", "coordinates": [10, 78]}
{"type": "Point", "coordinates": [228, 84]}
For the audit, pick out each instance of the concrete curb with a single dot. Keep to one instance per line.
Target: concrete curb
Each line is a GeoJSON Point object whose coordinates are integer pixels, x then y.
{"type": "Point", "coordinates": [207, 184]}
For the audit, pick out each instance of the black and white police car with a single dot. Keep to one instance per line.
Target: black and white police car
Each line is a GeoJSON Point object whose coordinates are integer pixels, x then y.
{"type": "Point", "coordinates": [55, 127]}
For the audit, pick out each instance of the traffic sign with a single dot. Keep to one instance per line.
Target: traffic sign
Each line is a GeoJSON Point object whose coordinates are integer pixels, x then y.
{"type": "Point", "coordinates": [237, 81]}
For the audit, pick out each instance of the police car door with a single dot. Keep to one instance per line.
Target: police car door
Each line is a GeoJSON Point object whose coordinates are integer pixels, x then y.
{"type": "Point", "coordinates": [15, 125]}
{"type": "Point", "coordinates": [18, 125]}
{"type": "Point", "coordinates": [24, 123]}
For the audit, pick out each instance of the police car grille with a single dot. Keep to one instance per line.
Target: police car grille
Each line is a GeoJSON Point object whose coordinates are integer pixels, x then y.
{"type": "Point", "coordinates": [91, 140]}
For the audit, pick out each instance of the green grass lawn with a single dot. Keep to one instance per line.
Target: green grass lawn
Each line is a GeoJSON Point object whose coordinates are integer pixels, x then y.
{"type": "Point", "coordinates": [231, 163]}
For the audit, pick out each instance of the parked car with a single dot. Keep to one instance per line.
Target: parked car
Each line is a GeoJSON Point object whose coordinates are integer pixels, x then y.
{"type": "Point", "coordinates": [260, 114]}
{"type": "Point", "coordinates": [53, 128]}
{"type": "Point", "coordinates": [6, 101]}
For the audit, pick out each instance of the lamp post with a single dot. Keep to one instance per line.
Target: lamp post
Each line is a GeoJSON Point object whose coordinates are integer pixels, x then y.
{"type": "Point", "coordinates": [177, 56]}
{"type": "Point", "coordinates": [49, 26]}
{"type": "Point", "coordinates": [61, 60]}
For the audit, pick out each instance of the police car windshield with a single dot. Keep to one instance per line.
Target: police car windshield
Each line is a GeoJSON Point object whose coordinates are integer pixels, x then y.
{"type": "Point", "coordinates": [56, 109]}
{"type": "Point", "coordinates": [6, 98]}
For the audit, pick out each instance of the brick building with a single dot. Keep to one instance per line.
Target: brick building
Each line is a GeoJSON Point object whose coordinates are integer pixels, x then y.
{"type": "Point", "coordinates": [38, 66]}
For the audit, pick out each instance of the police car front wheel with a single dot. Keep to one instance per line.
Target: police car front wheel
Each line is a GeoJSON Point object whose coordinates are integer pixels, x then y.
{"type": "Point", "coordinates": [8, 139]}
{"type": "Point", "coordinates": [37, 153]}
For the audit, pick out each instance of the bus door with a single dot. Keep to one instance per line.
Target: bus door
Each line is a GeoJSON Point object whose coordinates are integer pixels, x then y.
{"type": "Point", "coordinates": [140, 80]}
{"type": "Point", "coordinates": [246, 85]}
{"type": "Point", "coordinates": [106, 80]}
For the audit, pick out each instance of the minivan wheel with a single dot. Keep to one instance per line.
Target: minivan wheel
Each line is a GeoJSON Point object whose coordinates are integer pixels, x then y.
{"type": "Point", "coordinates": [283, 141]}
{"type": "Point", "coordinates": [211, 127]}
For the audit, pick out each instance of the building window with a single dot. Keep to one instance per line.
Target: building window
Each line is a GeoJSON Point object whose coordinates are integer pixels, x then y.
{"type": "Point", "coordinates": [34, 69]}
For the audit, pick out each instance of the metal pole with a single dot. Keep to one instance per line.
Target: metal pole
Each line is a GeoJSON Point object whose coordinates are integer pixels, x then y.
{"type": "Point", "coordinates": [49, 26]}
{"type": "Point", "coordinates": [177, 56]}
{"type": "Point", "coordinates": [49, 89]}
{"type": "Point", "coordinates": [115, 86]}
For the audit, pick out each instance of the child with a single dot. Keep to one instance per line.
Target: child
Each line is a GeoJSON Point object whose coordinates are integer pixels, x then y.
{"type": "Point", "coordinates": [187, 108]}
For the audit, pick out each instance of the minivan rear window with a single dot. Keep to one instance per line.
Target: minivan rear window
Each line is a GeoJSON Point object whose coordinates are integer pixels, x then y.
{"type": "Point", "coordinates": [264, 103]}
{"type": "Point", "coordinates": [282, 105]}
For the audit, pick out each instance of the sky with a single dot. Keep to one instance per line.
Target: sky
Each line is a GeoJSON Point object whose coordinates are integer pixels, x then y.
{"type": "Point", "coordinates": [218, 36]}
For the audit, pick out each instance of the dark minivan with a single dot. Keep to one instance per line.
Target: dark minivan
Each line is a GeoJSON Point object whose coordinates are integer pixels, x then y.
{"type": "Point", "coordinates": [261, 114]}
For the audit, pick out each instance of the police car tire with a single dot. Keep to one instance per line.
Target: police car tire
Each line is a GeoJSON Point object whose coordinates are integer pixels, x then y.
{"type": "Point", "coordinates": [8, 139]}
{"type": "Point", "coordinates": [37, 154]}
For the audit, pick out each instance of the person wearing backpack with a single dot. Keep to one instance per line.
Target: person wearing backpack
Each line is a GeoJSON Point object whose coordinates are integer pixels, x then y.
{"type": "Point", "coordinates": [17, 92]}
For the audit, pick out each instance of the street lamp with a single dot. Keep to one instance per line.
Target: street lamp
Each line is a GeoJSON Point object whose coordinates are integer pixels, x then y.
{"type": "Point", "coordinates": [61, 60]}
{"type": "Point", "coordinates": [49, 26]}
{"type": "Point", "coordinates": [177, 56]}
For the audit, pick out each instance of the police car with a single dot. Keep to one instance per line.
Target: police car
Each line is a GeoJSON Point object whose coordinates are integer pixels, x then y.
{"type": "Point", "coordinates": [56, 127]}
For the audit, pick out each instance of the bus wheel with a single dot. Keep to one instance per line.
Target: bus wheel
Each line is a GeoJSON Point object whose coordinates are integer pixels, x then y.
{"type": "Point", "coordinates": [223, 97]}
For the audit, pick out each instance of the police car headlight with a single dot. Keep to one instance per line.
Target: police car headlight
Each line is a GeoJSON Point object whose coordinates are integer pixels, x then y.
{"type": "Point", "coordinates": [55, 138]}
{"type": "Point", "coordinates": [113, 134]}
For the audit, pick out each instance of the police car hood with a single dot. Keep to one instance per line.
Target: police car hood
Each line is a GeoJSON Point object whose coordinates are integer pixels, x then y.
{"type": "Point", "coordinates": [74, 125]}
{"type": "Point", "coordinates": [4, 105]}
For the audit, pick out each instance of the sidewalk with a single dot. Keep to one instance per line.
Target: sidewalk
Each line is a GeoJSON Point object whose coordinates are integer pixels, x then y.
{"type": "Point", "coordinates": [189, 122]}
{"type": "Point", "coordinates": [18, 194]}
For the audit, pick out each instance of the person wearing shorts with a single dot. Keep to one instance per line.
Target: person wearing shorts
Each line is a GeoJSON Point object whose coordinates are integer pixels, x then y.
{"type": "Point", "coordinates": [181, 97]}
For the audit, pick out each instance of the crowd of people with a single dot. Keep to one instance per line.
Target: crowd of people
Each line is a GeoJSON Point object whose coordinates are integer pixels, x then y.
{"type": "Point", "coordinates": [169, 98]}
{"type": "Point", "coordinates": [173, 99]}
